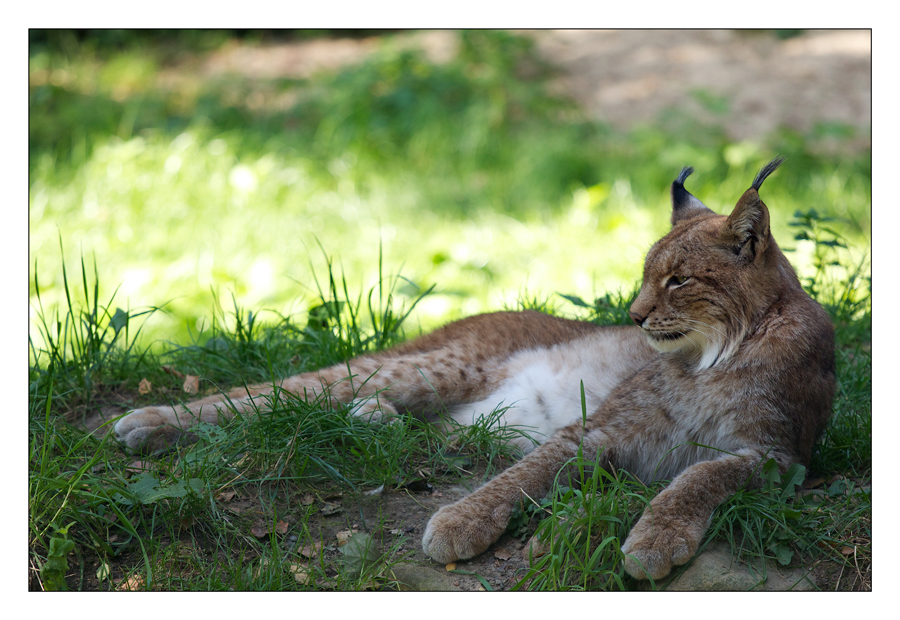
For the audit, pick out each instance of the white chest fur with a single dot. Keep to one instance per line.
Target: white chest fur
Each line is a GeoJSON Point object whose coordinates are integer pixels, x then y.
{"type": "Point", "coordinates": [543, 390]}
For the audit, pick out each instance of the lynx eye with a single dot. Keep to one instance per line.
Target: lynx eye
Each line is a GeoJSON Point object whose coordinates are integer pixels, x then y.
{"type": "Point", "coordinates": [676, 281]}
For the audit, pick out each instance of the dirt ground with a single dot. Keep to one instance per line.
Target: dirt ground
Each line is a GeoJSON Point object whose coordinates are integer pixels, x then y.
{"type": "Point", "coordinates": [622, 78]}
{"type": "Point", "coordinates": [394, 517]}
{"type": "Point", "coordinates": [757, 81]}
{"type": "Point", "coordinates": [399, 516]}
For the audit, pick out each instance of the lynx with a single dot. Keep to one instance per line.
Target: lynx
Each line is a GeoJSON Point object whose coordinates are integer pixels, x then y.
{"type": "Point", "coordinates": [729, 364]}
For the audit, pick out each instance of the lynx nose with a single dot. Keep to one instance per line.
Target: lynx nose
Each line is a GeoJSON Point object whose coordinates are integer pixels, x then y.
{"type": "Point", "coordinates": [637, 318]}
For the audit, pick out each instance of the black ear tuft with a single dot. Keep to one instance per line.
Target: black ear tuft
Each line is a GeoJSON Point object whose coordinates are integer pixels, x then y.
{"type": "Point", "coordinates": [768, 169]}
{"type": "Point", "coordinates": [684, 204]}
{"type": "Point", "coordinates": [681, 198]}
{"type": "Point", "coordinates": [684, 174]}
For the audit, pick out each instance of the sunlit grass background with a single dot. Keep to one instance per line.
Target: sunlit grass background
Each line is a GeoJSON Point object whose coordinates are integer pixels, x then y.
{"type": "Point", "coordinates": [466, 175]}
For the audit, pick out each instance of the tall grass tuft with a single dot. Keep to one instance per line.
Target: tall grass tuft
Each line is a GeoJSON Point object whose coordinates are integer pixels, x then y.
{"type": "Point", "coordinates": [89, 343]}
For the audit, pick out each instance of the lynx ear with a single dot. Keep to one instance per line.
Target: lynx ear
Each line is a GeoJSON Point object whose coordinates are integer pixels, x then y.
{"type": "Point", "coordinates": [684, 204]}
{"type": "Point", "coordinates": [746, 230]}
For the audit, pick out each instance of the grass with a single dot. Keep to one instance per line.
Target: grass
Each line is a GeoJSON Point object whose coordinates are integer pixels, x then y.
{"type": "Point", "coordinates": [163, 177]}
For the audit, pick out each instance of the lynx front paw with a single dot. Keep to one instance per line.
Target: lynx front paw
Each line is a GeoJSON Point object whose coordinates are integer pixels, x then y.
{"type": "Point", "coordinates": [463, 530]}
{"type": "Point", "coordinates": [148, 430]}
{"type": "Point", "coordinates": [658, 542]}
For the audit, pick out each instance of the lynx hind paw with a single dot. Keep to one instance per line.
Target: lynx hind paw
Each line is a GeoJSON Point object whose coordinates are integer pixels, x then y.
{"type": "Point", "coordinates": [455, 533]}
{"type": "Point", "coordinates": [148, 430]}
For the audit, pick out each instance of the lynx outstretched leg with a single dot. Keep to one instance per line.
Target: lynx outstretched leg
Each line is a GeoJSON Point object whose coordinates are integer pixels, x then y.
{"type": "Point", "coordinates": [421, 380]}
{"type": "Point", "coordinates": [459, 363]}
{"type": "Point", "coordinates": [153, 429]}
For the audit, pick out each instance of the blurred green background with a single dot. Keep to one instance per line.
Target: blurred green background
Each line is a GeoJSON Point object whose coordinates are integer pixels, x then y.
{"type": "Point", "coordinates": [469, 173]}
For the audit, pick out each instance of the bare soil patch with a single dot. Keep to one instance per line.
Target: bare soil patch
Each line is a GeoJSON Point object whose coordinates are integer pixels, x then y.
{"type": "Point", "coordinates": [627, 77]}
{"type": "Point", "coordinates": [749, 82]}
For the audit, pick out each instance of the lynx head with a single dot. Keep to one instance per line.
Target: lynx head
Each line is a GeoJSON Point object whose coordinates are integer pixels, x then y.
{"type": "Point", "coordinates": [711, 277]}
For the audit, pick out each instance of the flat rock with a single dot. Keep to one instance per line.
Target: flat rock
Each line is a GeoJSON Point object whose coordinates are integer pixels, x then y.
{"type": "Point", "coordinates": [716, 570]}
{"type": "Point", "coordinates": [413, 578]}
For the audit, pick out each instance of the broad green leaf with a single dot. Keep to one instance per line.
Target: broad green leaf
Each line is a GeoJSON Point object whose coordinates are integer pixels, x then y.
{"type": "Point", "coordinates": [783, 554]}
{"type": "Point", "coordinates": [359, 552]}
{"type": "Point", "coordinates": [53, 571]}
{"type": "Point", "coordinates": [147, 489]}
{"type": "Point", "coordinates": [791, 479]}
{"type": "Point", "coordinates": [771, 475]}
{"type": "Point", "coordinates": [837, 487]}
{"type": "Point", "coordinates": [119, 320]}
{"type": "Point", "coordinates": [790, 513]}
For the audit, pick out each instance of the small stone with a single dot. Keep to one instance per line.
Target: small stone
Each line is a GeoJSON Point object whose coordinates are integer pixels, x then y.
{"type": "Point", "coordinates": [412, 578]}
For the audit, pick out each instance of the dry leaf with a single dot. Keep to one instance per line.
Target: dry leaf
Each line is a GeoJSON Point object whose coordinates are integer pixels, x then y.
{"type": "Point", "coordinates": [173, 372]}
{"type": "Point", "coordinates": [301, 573]}
{"type": "Point", "coordinates": [535, 547]}
{"type": "Point", "coordinates": [191, 384]}
{"type": "Point", "coordinates": [103, 571]}
{"type": "Point", "coordinates": [344, 536]}
{"type": "Point", "coordinates": [144, 387]}
{"type": "Point", "coordinates": [226, 496]}
{"type": "Point", "coordinates": [263, 528]}
{"type": "Point", "coordinates": [847, 550]}
{"type": "Point", "coordinates": [311, 551]}
{"type": "Point", "coordinates": [330, 509]}
{"type": "Point", "coordinates": [307, 499]}
{"type": "Point", "coordinates": [131, 584]}
{"type": "Point", "coordinates": [502, 554]}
